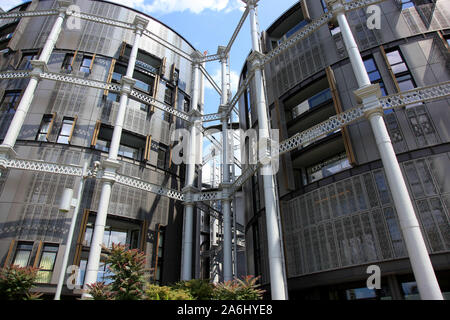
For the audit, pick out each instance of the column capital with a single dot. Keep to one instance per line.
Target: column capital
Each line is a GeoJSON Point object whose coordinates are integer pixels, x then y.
{"type": "Point", "coordinates": [197, 58]}
{"type": "Point", "coordinates": [109, 169]}
{"type": "Point", "coordinates": [194, 114]}
{"type": "Point", "coordinates": [6, 153]}
{"type": "Point", "coordinates": [127, 85]}
{"type": "Point", "coordinates": [221, 50]}
{"type": "Point", "coordinates": [369, 98]}
{"type": "Point", "coordinates": [336, 6]}
{"type": "Point", "coordinates": [64, 4]}
{"type": "Point", "coordinates": [255, 58]}
{"type": "Point", "coordinates": [251, 3]}
{"type": "Point", "coordinates": [39, 67]}
{"type": "Point", "coordinates": [223, 108]}
{"type": "Point", "coordinates": [140, 23]}
{"type": "Point", "coordinates": [189, 192]}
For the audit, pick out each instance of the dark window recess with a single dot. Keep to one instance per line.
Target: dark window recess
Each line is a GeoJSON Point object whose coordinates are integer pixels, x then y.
{"type": "Point", "coordinates": [86, 64]}
{"type": "Point", "coordinates": [159, 257]}
{"type": "Point", "coordinates": [144, 60]}
{"type": "Point", "coordinates": [144, 82]}
{"type": "Point", "coordinates": [44, 128]}
{"type": "Point", "coordinates": [163, 157]}
{"type": "Point", "coordinates": [25, 63]}
{"type": "Point", "coordinates": [131, 145]}
{"type": "Point", "coordinates": [168, 99]}
{"type": "Point", "coordinates": [67, 63]}
{"type": "Point", "coordinates": [6, 33]}
{"type": "Point", "coordinates": [186, 104]}
{"type": "Point", "coordinates": [66, 131]}
{"type": "Point", "coordinates": [10, 101]}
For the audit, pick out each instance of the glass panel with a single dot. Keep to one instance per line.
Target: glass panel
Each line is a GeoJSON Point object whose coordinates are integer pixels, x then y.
{"type": "Point", "coordinates": [406, 85]}
{"type": "Point", "coordinates": [47, 260]}
{"type": "Point", "coordinates": [394, 57]}
{"type": "Point", "coordinates": [66, 127]}
{"type": "Point", "coordinates": [22, 258]}
{"type": "Point", "coordinates": [410, 291]}
{"type": "Point", "coordinates": [360, 293]}
{"type": "Point", "coordinates": [88, 236]}
{"type": "Point", "coordinates": [63, 140]}
{"type": "Point", "coordinates": [397, 68]}
{"type": "Point", "coordinates": [117, 237]}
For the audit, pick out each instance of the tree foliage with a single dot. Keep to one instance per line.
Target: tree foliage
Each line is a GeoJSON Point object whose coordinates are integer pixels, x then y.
{"type": "Point", "coordinates": [245, 289]}
{"type": "Point", "coordinates": [16, 283]}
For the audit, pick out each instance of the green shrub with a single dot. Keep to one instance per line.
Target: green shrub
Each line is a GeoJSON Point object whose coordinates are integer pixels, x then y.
{"type": "Point", "coordinates": [200, 289]}
{"type": "Point", "coordinates": [155, 292]}
{"type": "Point", "coordinates": [16, 283]}
{"type": "Point", "coordinates": [128, 275]}
{"type": "Point", "coordinates": [246, 289]}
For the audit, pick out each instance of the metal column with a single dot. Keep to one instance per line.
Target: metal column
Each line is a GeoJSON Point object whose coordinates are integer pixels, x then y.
{"type": "Point", "coordinates": [369, 96]}
{"type": "Point", "coordinates": [111, 165]}
{"type": "Point", "coordinates": [277, 271]}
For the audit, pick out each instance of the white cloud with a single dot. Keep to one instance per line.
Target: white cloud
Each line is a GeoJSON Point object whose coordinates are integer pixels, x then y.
{"type": "Point", "coordinates": [194, 6]}
{"type": "Point", "coordinates": [9, 4]}
{"type": "Point", "coordinates": [217, 76]}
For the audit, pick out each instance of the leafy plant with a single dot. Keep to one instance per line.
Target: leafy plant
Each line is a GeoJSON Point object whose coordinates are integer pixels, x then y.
{"type": "Point", "coordinates": [200, 289]}
{"type": "Point", "coordinates": [155, 292]}
{"type": "Point", "coordinates": [245, 289]}
{"type": "Point", "coordinates": [128, 275]}
{"type": "Point", "coordinates": [16, 283]}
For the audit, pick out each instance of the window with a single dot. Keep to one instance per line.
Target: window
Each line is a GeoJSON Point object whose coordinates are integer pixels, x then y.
{"type": "Point", "coordinates": [117, 231]}
{"type": "Point", "coordinates": [159, 253]}
{"type": "Point", "coordinates": [25, 63]}
{"type": "Point", "coordinates": [47, 263]}
{"type": "Point", "coordinates": [163, 157]}
{"type": "Point", "coordinates": [311, 103]}
{"type": "Point", "coordinates": [45, 128]}
{"type": "Point", "coordinates": [328, 167]}
{"type": "Point", "coordinates": [144, 82]}
{"type": "Point", "coordinates": [119, 71]}
{"type": "Point", "coordinates": [131, 146]}
{"type": "Point", "coordinates": [406, 4]}
{"type": "Point", "coordinates": [6, 33]}
{"type": "Point", "coordinates": [400, 69]}
{"type": "Point", "coordinates": [65, 134]}
{"type": "Point", "coordinates": [86, 64]}
{"type": "Point", "coordinates": [168, 99]}
{"type": "Point", "coordinates": [249, 107]}
{"type": "Point", "coordinates": [23, 254]}
{"type": "Point", "coordinates": [113, 96]}
{"type": "Point", "coordinates": [186, 104]}
{"type": "Point", "coordinates": [374, 74]}
{"type": "Point", "coordinates": [10, 101]}
{"type": "Point", "coordinates": [68, 62]}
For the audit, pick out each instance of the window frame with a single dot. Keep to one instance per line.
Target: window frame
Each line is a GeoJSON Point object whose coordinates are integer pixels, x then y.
{"type": "Point", "coordinates": [47, 133]}
{"type": "Point", "coordinates": [41, 254]}
{"type": "Point", "coordinates": [72, 129]}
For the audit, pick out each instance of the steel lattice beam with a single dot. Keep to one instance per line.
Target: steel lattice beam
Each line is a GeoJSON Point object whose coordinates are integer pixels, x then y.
{"type": "Point", "coordinates": [28, 14]}
{"type": "Point", "coordinates": [149, 187]}
{"type": "Point", "coordinates": [14, 74]}
{"type": "Point", "coordinates": [41, 166]}
{"type": "Point", "coordinates": [423, 94]}
{"type": "Point", "coordinates": [102, 20]}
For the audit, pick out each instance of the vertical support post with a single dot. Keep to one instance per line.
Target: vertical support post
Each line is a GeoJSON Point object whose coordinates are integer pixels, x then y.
{"type": "Point", "coordinates": [276, 265]}
{"type": "Point", "coordinates": [189, 189]}
{"type": "Point", "coordinates": [70, 235]}
{"type": "Point", "coordinates": [111, 164]}
{"type": "Point", "coordinates": [39, 66]}
{"type": "Point", "coordinates": [226, 203]}
{"type": "Point", "coordinates": [369, 96]}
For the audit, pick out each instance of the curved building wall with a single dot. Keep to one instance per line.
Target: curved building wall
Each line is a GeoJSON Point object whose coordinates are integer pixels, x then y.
{"type": "Point", "coordinates": [29, 201]}
{"type": "Point", "coordinates": [336, 209]}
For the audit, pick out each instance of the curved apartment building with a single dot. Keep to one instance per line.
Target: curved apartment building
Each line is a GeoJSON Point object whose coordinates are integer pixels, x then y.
{"type": "Point", "coordinates": [336, 208]}
{"type": "Point", "coordinates": [73, 124]}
